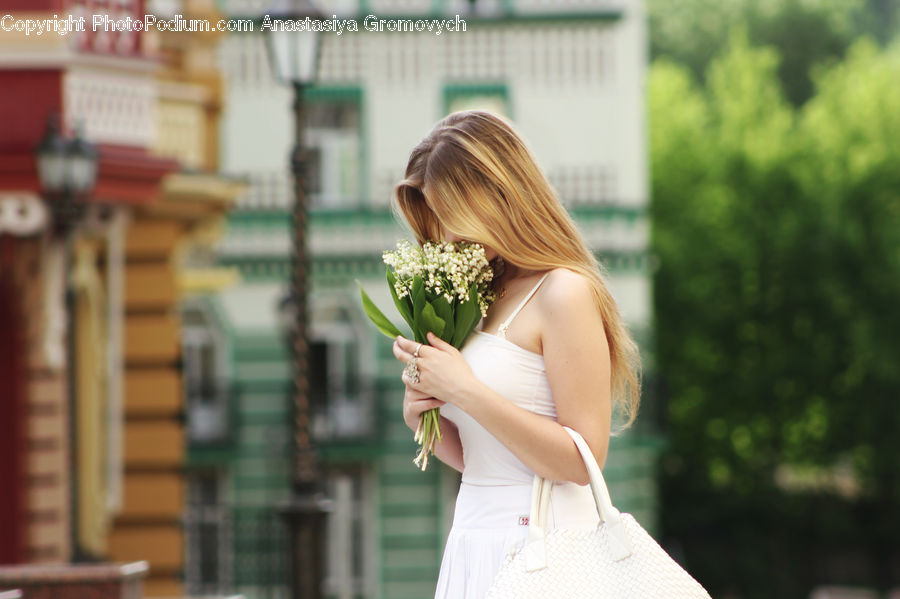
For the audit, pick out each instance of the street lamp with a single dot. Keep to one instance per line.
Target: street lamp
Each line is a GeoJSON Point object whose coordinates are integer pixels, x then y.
{"type": "Point", "coordinates": [294, 58]}
{"type": "Point", "coordinates": [294, 55]}
{"type": "Point", "coordinates": [67, 169]}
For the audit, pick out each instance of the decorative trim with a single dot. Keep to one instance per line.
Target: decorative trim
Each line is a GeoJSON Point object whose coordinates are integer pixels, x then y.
{"type": "Point", "coordinates": [200, 200]}
{"type": "Point", "coordinates": [115, 323]}
{"type": "Point", "coordinates": [129, 175]}
{"type": "Point", "coordinates": [276, 268]}
{"type": "Point", "coordinates": [115, 108]}
{"type": "Point", "coordinates": [333, 93]}
{"type": "Point", "coordinates": [54, 271]}
{"type": "Point", "coordinates": [205, 187]}
{"type": "Point", "coordinates": [453, 91]}
{"type": "Point", "coordinates": [382, 216]}
{"type": "Point", "coordinates": [505, 18]}
{"type": "Point", "coordinates": [22, 213]}
{"type": "Point", "coordinates": [258, 243]}
{"type": "Point", "coordinates": [25, 57]}
{"type": "Point", "coordinates": [207, 280]}
{"type": "Point", "coordinates": [558, 17]}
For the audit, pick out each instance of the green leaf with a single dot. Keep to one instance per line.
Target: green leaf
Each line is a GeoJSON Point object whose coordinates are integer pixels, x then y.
{"type": "Point", "coordinates": [430, 321]}
{"type": "Point", "coordinates": [417, 291]}
{"type": "Point", "coordinates": [404, 306]}
{"type": "Point", "coordinates": [463, 317]}
{"type": "Point", "coordinates": [376, 316]}
{"type": "Point", "coordinates": [474, 313]}
{"type": "Point", "coordinates": [467, 316]}
{"type": "Point", "coordinates": [443, 309]}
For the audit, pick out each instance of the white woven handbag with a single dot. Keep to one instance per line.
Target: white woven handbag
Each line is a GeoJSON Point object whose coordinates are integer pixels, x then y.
{"type": "Point", "coordinates": [617, 560]}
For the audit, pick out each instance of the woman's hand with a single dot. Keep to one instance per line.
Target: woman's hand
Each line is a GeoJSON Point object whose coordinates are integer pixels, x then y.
{"type": "Point", "coordinates": [416, 402]}
{"type": "Point", "coordinates": [449, 450]}
{"type": "Point", "coordinates": [443, 373]}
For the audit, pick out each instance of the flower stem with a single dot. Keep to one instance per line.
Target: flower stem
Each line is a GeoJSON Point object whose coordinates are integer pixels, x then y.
{"type": "Point", "coordinates": [427, 434]}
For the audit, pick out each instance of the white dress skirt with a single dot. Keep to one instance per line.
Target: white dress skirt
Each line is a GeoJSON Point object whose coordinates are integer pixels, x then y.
{"type": "Point", "coordinates": [490, 519]}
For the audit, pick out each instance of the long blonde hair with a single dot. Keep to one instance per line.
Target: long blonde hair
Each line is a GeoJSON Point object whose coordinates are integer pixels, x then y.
{"type": "Point", "coordinates": [483, 184]}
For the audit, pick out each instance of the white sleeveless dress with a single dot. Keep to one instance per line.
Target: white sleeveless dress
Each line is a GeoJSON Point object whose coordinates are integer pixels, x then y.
{"type": "Point", "coordinates": [491, 515]}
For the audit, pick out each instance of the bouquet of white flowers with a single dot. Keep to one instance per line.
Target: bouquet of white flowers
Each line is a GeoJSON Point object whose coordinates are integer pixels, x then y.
{"type": "Point", "coordinates": [443, 288]}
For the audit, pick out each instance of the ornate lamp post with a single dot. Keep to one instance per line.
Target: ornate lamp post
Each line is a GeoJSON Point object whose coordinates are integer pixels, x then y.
{"type": "Point", "coordinates": [294, 58]}
{"type": "Point", "coordinates": [67, 169]}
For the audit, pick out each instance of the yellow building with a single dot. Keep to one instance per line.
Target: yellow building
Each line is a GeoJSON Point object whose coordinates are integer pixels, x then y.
{"type": "Point", "coordinates": [92, 403]}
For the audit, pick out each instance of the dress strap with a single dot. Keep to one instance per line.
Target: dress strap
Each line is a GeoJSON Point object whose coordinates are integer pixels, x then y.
{"type": "Point", "coordinates": [505, 326]}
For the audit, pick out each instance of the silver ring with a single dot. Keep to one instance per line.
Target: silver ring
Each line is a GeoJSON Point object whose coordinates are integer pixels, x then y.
{"type": "Point", "coordinates": [416, 353]}
{"type": "Point", "coordinates": [412, 371]}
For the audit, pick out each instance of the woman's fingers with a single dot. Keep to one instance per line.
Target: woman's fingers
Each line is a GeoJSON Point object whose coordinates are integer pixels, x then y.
{"type": "Point", "coordinates": [399, 352]}
{"type": "Point", "coordinates": [402, 351]}
{"type": "Point", "coordinates": [437, 342]}
{"type": "Point", "coordinates": [404, 348]}
{"type": "Point", "coordinates": [415, 394]}
{"type": "Point", "coordinates": [423, 405]}
{"type": "Point", "coordinates": [413, 409]}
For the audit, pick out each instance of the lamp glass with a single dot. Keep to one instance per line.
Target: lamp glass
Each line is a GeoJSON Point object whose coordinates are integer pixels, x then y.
{"type": "Point", "coordinates": [52, 170]}
{"type": "Point", "coordinates": [294, 54]}
{"type": "Point", "coordinates": [51, 159]}
{"type": "Point", "coordinates": [81, 166]}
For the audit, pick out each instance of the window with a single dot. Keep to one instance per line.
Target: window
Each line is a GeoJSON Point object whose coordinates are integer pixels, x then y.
{"type": "Point", "coordinates": [340, 397]}
{"type": "Point", "coordinates": [334, 155]}
{"type": "Point", "coordinates": [206, 391]}
{"type": "Point", "coordinates": [351, 538]}
{"type": "Point", "coordinates": [207, 534]}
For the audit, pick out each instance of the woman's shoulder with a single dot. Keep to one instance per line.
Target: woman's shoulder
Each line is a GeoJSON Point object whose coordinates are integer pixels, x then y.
{"type": "Point", "coordinates": [566, 297]}
{"type": "Point", "coordinates": [569, 313]}
{"type": "Point", "coordinates": [566, 287]}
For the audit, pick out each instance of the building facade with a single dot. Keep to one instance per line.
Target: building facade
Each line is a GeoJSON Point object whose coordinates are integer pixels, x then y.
{"type": "Point", "coordinates": [92, 397]}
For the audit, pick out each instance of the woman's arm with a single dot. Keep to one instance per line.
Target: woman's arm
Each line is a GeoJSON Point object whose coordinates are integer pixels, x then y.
{"type": "Point", "coordinates": [576, 359]}
{"type": "Point", "coordinates": [449, 448]}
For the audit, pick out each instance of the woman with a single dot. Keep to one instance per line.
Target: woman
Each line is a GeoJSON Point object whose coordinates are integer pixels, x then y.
{"type": "Point", "coordinates": [552, 350]}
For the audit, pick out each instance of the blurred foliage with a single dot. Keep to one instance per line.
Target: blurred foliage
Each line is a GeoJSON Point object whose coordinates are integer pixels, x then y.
{"type": "Point", "coordinates": [778, 317]}
{"type": "Point", "coordinates": [804, 32]}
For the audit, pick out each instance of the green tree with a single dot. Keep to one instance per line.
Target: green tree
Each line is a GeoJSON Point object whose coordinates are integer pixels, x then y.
{"type": "Point", "coordinates": [777, 304]}
{"type": "Point", "coordinates": [805, 33]}
{"type": "Point", "coordinates": [720, 159]}
{"type": "Point", "coordinates": [851, 133]}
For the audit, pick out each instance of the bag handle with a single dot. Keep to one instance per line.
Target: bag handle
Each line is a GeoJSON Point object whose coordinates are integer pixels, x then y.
{"type": "Point", "coordinates": [535, 548]}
